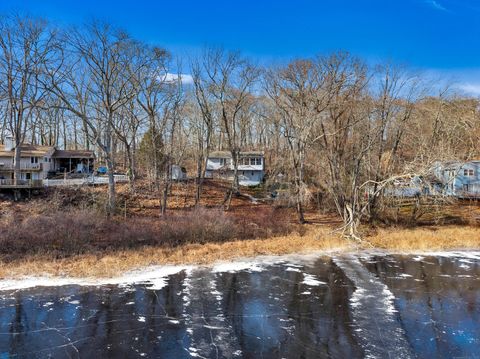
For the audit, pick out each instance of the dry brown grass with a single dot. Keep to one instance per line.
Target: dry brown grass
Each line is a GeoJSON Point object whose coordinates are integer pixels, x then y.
{"type": "Point", "coordinates": [316, 238]}
{"type": "Point", "coordinates": [426, 238]}
{"type": "Point", "coordinates": [107, 265]}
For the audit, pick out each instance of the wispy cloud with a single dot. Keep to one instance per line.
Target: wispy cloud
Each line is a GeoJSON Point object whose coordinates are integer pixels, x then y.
{"type": "Point", "coordinates": [169, 77]}
{"type": "Point", "coordinates": [436, 5]}
{"type": "Point", "coordinates": [471, 89]}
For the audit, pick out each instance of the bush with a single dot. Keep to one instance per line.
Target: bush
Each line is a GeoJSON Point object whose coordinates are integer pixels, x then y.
{"type": "Point", "coordinates": [63, 234]}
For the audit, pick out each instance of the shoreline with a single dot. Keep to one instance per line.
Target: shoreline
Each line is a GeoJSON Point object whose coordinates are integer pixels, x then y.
{"type": "Point", "coordinates": [156, 277]}
{"type": "Point", "coordinates": [317, 239]}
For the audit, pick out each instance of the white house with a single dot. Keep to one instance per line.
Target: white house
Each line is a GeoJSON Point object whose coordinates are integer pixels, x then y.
{"type": "Point", "coordinates": [37, 162]}
{"type": "Point", "coordinates": [251, 167]}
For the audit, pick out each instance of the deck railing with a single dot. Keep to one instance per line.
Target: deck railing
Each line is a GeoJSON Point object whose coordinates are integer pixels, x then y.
{"type": "Point", "coordinates": [90, 180]}
{"type": "Point", "coordinates": [23, 166]}
{"type": "Point", "coordinates": [20, 183]}
{"type": "Point", "coordinates": [83, 181]}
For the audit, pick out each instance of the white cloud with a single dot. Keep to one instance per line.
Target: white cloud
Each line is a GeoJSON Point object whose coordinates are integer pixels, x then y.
{"type": "Point", "coordinates": [436, 5]}
{"type": "Point", "coordinates": [171, 77]}
{"type": "Point", "coordinates": [470, 89]}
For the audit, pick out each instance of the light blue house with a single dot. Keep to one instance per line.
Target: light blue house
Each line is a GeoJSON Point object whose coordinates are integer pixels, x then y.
{"type": "Point", "coordinates": [459, 179]}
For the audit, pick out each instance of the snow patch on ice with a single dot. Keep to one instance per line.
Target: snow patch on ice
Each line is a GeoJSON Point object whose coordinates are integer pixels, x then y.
{"type": "Point", "coordinates": [237, 266]}
{"type": "Point", "coordinates": [310, 280]}
{"type": "Point", "coordinates": [374, 312]}
{"type": "Point", "coordinates": [154, 277]}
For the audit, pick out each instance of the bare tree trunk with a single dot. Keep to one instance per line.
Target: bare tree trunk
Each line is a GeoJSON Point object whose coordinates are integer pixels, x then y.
{"type": "Point", "coordinates": [110, 160]}
{"type": "Point", "coordinates": [165, 188]}
{"type": "Point", "coordinates": [111, 204]}
{"type": "Point", "coordinates": [16, 163]}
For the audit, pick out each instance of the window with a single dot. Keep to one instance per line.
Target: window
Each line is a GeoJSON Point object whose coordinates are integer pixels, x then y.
{"type": "Point", "coordinates": [468, 172]}
{"type": "Point", "coordinates": [33, 159]}
{"type": "Point", "coordinates": [465, 187]}
{"type": "Point", "coordinates": [253, 161]}
{"type": "Point", "coordinates": [222, 161]}
{"type": "Point", "coordinates": [45, 159]}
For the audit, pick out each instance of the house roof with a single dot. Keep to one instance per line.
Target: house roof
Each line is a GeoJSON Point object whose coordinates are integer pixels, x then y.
{"type": "Point", "coordinates": [227, 154]}
{"type": "Point", "coordinates": [27, 150]}
{"type": "Point", "coordinates": [457, 164]}
{"type": "Point", "coordinates": [73, 154]}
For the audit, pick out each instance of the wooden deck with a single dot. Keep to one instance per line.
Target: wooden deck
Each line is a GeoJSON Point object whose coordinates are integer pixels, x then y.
{"type": "Point", "coordinates": [20, 184]}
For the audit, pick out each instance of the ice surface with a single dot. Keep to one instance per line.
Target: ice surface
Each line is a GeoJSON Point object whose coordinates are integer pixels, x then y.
{"type": "Point", "coordinates": [368, 304]}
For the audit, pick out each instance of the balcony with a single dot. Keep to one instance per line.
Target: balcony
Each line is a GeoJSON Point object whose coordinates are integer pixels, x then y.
{"type": "Point", "coordinates": [23, 166]}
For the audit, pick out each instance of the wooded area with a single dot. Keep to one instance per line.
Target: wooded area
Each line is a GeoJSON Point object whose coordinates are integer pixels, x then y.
{"type": "Point", "coordinates": [332, 127]}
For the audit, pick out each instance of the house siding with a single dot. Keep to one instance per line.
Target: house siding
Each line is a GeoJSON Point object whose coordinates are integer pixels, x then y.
{"type": "Point", "coordinates": [460, 179]}
{"type": "Point", "coordinates": [250, 168]}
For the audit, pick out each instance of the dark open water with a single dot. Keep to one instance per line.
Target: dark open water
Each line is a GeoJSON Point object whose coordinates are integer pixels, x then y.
{"type": "Point", "coordinates": [353, 306]}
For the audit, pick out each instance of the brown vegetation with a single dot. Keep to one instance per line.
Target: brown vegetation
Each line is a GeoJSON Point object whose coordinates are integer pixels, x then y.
{"type": "Point", "coordinates": [110, 264]}
{"type": "Point", "coordinates": [426, 238]}
{"type": "Point", "coordinates": [317, 238]}
{"type": "Point", "coordinates": [65, 232]}
{"type": "Point", "coordinates": [61, 234]}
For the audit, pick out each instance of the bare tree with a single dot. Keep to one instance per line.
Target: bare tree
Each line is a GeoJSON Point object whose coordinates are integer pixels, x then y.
{"type": "Point", "coordinates": [93, 83]}
{"type": "Point", "coordinates": [229, 79]}
{"type": "Point", "coordinates": [202, 121]}
{"type": "Point", "coordinates": [26, 46]}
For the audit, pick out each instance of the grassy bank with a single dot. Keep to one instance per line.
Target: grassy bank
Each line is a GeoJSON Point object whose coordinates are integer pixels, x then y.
{"type": "Point", "coordinates": [63, 232]}
{"type": "Point", "coordinates": [316, 238]}
{"type": "Point", "coordinates": [426, 238]}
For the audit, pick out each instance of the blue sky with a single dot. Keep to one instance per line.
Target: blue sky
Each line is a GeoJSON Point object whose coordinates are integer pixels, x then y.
{"type": "Point", "coordinates": [440, 37]}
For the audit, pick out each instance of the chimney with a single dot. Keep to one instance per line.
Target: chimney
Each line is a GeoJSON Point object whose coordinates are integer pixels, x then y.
{"type": "Point", "coordinates": [9, 144]}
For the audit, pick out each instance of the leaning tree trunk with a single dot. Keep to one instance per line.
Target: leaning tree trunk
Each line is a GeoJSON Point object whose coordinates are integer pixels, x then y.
{"type": "Point", "coordinates": [352, 222]}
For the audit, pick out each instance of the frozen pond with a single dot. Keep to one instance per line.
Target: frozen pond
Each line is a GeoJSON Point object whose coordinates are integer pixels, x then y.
{"type": "Point", "coordinates": [345, 306]}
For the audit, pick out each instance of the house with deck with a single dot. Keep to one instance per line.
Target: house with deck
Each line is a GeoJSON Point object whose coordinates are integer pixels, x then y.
{"type": "Point", "coordinates": [39, 162]}
{"type": "Point", "coordinates": [251, 167]}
